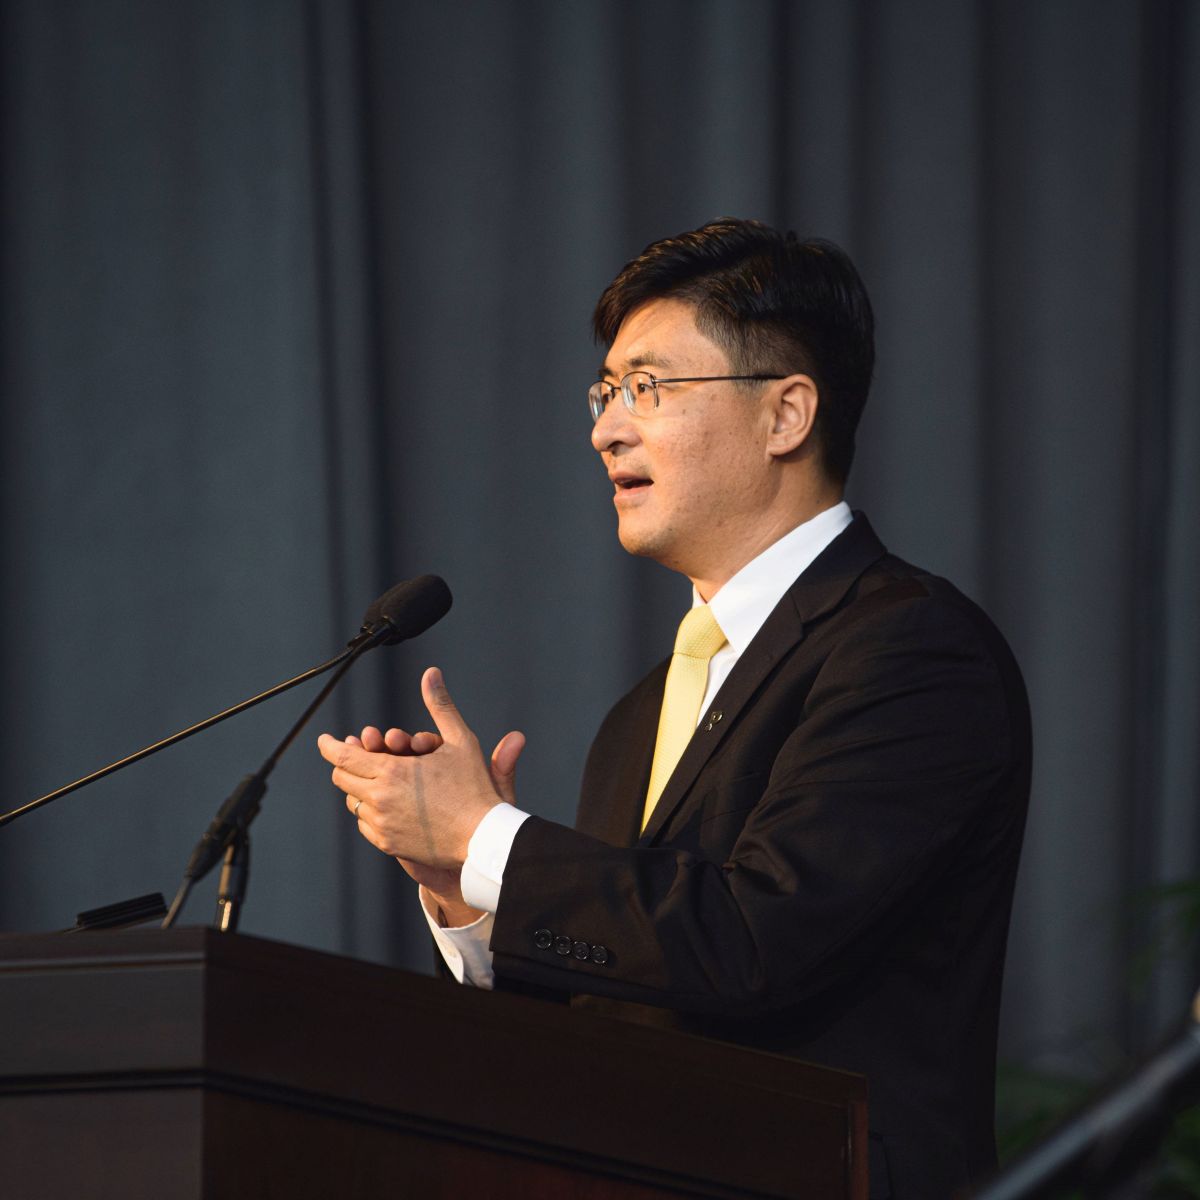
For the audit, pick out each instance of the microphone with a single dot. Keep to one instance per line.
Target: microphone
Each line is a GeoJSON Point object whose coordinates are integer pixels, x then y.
{"type": "Point", "coordinates": [402, 612]}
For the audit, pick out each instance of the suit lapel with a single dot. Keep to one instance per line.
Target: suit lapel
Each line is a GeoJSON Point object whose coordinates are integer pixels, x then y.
{"type": "Point", "coordinates": [636, 764]}
{"type": "Point", "coordinates": [817, 591]}
{"type": "Point", "coordinates": [611, 805]}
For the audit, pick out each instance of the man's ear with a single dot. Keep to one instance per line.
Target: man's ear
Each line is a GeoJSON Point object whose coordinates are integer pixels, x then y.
{"type": "Point", "coordinates": [793, 411]}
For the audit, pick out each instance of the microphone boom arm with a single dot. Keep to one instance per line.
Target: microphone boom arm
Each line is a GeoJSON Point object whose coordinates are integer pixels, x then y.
{"type": "Point", "coordinates": [350, 652]}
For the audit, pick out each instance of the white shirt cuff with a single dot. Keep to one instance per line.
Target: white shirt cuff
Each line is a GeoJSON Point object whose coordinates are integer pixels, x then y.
{"type": "Point", "coordinates": [465, 947]}
{"type": "Point", "coordinates": [487, 856]}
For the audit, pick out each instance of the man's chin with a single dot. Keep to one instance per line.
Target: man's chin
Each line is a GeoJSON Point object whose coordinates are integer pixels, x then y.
{"type": "Point", "coordinates": [645, 543]}
{"type": "Point", "coordinates": [635, 541]}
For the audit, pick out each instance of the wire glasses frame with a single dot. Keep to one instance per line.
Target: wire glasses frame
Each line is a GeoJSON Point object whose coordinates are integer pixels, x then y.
{"type": "Point", "coordinates": [639, 390]}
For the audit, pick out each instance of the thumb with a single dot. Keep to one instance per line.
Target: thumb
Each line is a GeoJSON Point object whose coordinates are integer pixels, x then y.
{"type": "Point", "coordinates": [442, 709]}
{"type": "Point", "coordinates": [504, 765]}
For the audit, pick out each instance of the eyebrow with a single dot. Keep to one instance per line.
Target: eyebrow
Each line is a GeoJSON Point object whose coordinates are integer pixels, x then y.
{"type": "Point", "coordinates": [648, 359]}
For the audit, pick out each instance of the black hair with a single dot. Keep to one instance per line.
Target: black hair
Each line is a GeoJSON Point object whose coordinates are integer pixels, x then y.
{"type": "Point", "coordinates": [775, 304]}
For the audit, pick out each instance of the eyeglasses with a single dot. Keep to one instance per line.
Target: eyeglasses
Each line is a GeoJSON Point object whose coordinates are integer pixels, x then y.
{"type": "Point", "coordinates": [639, 390]}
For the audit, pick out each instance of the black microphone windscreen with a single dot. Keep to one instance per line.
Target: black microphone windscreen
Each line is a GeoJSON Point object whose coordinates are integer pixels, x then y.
{"type": "Point", "coordinates": [409, 608]}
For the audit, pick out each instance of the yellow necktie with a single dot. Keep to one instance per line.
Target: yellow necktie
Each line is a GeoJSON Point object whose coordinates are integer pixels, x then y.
{"type": "Point", "coordinates": [698, 639]}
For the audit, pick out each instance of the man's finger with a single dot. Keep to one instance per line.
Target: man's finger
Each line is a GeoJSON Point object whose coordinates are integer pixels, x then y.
{"type": "Point", "coordinates": [395, 741]}
{"type": "Point", "coordinates": [425, 742]}
{"type": "Point", "coordinates": [400, 741]}
{"type": "Point", "coordinates": [373, 836]}
{"type": "Point", "coordinates": [504, 764]}
{"type": "Point", "coordinates": [442, 709]}
{"type": "Point", "coordinates": [372, 740]}
{"type": "Point", "coordinates": [351, 759]}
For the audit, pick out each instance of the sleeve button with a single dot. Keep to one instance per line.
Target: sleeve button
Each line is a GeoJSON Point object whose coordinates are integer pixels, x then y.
{"type": "Point", "coordinates": [582, 951]}
{"type": "Point", "coordinates": [562, 945]}
{"type": "Point", "coordinates": [542, 939]}
{"type": "Point", "coordinates": [599, 955]}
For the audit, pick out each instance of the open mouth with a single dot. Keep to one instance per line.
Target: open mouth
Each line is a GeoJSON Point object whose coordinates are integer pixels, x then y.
{"type": "Point", "coordinates": [631, 483]}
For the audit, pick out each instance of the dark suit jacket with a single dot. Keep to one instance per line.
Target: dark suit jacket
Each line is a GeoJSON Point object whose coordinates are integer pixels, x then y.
{"type": "Point", "coordinates": [828, 873]}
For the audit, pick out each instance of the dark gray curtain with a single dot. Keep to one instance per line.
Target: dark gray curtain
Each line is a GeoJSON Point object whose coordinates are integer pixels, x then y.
{"type": "Point", "coordinates": [295, 304]}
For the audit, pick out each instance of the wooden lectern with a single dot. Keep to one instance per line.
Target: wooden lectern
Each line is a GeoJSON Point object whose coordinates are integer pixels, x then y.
{"type": "Point", "coordinates": [155, 1065]}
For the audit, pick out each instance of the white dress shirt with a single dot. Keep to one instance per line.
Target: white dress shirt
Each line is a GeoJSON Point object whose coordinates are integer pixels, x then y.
{"type": "Point", "coordinates": [740, 608]}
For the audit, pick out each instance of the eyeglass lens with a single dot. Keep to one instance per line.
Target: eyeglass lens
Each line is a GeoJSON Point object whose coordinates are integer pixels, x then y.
{"type": "Point", "coordinates": [638, 391]}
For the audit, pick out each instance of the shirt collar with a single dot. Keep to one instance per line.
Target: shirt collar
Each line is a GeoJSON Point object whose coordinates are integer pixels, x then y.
{"type": "Point", "coordinates": [745, 602]}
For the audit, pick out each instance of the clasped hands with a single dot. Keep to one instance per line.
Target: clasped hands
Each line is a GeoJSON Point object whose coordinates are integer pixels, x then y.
{"type": "Point", "coordinates": [419, 797]}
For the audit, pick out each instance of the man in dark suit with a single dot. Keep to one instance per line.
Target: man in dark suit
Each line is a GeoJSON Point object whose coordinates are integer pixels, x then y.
{"type": "Point", "coordinates": [802, 832]}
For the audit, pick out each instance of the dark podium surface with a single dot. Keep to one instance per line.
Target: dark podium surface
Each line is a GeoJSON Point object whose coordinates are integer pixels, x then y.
{"type": "Point", "coordinates": [187, 1063]}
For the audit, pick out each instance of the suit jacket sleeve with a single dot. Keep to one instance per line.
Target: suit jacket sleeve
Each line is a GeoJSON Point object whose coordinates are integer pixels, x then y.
{"type": "Point", "coordinates": [879, 769]}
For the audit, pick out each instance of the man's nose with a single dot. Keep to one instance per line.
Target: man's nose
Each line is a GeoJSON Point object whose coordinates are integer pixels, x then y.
{"type": "Point", "coordinates": [616, 426]}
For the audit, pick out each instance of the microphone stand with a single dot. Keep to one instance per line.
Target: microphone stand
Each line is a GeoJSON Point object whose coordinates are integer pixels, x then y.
{"type": "Point", "coordinates": [402, 612]}
{"type": "Point", "coordinates": [235, 876]}
{"type": "Point", "coordinates": [229, 833]}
